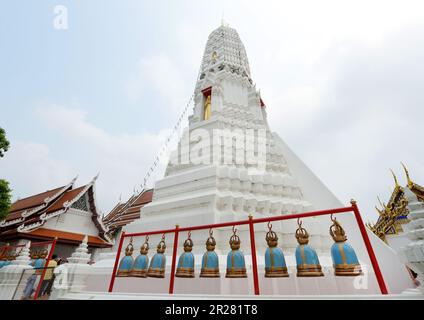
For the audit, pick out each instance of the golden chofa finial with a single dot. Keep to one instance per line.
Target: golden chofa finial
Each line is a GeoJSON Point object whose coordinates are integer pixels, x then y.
{"type": "Point", "coordinates": [394, 177]}
{"type": "Point", "coordinates": [408, 179]}
{"type": "Point", "coordinates": [380, 212]}
{"type": "Point", "coordinates": [381, 203]}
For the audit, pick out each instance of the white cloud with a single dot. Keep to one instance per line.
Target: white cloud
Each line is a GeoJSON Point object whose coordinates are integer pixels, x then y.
{"type": "Point", "coordinates": [122, 159]}
{"type": "Point", "coordinates": [32, 168]}
{"type": "Point", "coordinates": [160, 80]}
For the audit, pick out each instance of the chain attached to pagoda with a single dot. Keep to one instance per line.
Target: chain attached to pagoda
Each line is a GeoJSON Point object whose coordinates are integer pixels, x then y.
{"type": "Point", "coordinates": [165, 145]}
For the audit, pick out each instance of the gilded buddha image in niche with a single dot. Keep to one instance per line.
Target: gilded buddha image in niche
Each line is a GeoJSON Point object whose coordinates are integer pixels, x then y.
{"type": "Point", "coordinates": [207, 109]}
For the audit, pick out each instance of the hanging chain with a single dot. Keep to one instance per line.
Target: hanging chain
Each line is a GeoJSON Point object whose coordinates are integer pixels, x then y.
{"type": "Point", "coordinates": [165, 145]}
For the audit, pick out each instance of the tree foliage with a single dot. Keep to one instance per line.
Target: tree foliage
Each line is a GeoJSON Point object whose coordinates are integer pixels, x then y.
{"type": "Point", "coordinates": [5, 196]}
{"type": "Point", "coordinates": [4, 143]}
{"type": "Point", "coordinates": [5, 191]}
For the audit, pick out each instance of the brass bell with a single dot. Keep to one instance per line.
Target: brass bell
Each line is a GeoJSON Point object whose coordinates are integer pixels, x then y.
{"type": "Point", "coordinates": [345, 261]}
{"type": "Point", "coordinates": [125, 266]}
{"type": "Point", "coordinates": [158, 262]}
{"type": "Point", "coordinates": [210, 261]}
{"type": "Point", "coordinates": [185, 267]}
{"type": "Point", "coordinates": [275, 263]}
{"type": "Point", "coordinates": [306, 258]}
{"type": "Point", "coordinates": [141, 262]}
{"type": "Point", "coordinates": [236, 267]}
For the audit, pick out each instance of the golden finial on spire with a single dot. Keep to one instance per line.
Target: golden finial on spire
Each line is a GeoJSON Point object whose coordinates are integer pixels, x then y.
{"type": "Point", "coordinates": [394, 177]}
{"type": "Point", "coordinates": [408, 179]}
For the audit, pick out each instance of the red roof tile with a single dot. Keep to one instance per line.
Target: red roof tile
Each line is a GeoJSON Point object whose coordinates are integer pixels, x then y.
{"type": "Point", "coordinates": [67, 196]}
{"type": "Point", "coordinates": [34, 201]}
{"type": "Point", "coordinates": [69, 236]}
{"type": "Point", "coordinates": [123, 214]}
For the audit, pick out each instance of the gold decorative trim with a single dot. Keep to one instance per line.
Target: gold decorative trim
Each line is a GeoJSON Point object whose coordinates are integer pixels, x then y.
{"type": "Point", "coordinates": [209, 273]}
{"type": "Point", "coordinates": [156, 273]}
{"type": "Point", "coordinates": [139, 273]}
{"type": "Point", "coordinates": [276, 272]}
{"type": "Point", "coordinates": [309, 270]}
{"type": "Point", "coordinates": [185, 273]}
{"type": "Point", "coordinates": [239, 273]}
{"type": "Point", "coordinates": [348, 270]}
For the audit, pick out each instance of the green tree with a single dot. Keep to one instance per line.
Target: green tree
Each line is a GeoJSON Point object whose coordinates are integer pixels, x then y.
{"type": "Point", "coordinates": [4, 143]}
{"type": "Point", "coordinates": [5, 196]}
{"type": "Point", "coordinates": [5, 192]}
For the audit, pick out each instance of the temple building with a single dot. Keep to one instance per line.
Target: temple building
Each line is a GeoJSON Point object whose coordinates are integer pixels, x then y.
{"type": "Point", "coordinates": [400, 225]}
{"type": "Point", "coordinates": [393, 216]}
{"type": "Point", "coordinates": [126, 212]}
{"type": "Point", "coordinates": [65, 213]}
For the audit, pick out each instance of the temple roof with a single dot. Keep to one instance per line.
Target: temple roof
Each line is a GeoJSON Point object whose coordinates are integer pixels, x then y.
{"type": "Point", "coordinates": [37, 199]}
{"type": "Point", "coordinates": [28, 215]}
{"type": "Point", "coordinates": [125, 213]}
{"type": "Point", "coordinates": [30, 205]}
{"type": "Point", "coordinates": [395, 213]}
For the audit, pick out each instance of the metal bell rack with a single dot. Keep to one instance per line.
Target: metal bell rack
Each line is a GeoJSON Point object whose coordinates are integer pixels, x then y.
{"type": "Point", "coordinates": [251, 222]}
{"type": "Point", "coordinates": [51, 244]}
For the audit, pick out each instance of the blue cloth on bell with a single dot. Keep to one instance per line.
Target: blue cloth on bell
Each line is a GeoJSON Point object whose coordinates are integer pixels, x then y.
{"type": "Point", "coordinates": [343, 253]}
{"type": "Point", "coordinates": [277, 259]}
{"type": "Point", "coordinates": [125, 266]}
{"type": "Point", "coordinates": [157, 266]}
{"type": "Point", "coordinates": [185, 266]}
{"type": "Point", "coordinates": [141, 263]}
{"type": "Point", "coordinates": [236, 266]}
{"type": "Point", "coordinates": [186, 260]}
{"type": "Point", "coordinates": [306, 255]}
{"type": "Point", "coordinates": [210, 265]}
{"type": "Point", "coordinates": [210, 260]}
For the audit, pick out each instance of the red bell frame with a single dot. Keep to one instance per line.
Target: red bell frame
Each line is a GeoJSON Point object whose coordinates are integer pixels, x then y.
{"type": "Point", "coordinates": [353, 208]}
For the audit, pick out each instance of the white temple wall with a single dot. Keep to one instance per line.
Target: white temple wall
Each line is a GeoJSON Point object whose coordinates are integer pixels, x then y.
{"type": "Point", "coordinates": [75, 221]}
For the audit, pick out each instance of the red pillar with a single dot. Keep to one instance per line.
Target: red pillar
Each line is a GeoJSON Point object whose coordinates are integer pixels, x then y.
{"type": "Point", "coordinates": [174, 257]}
{"type": "Point", "coordinates": [115, 266]}
{"type": "Point", "coordinates": [49, 257]}
{"type": "Point", "coordinates": [370, 250]}
{"type": "Point", "coordinates": [253, 250]}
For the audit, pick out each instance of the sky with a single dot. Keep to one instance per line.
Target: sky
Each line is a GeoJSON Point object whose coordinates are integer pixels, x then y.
{"type": "Point", "coordinates": [343, 82]}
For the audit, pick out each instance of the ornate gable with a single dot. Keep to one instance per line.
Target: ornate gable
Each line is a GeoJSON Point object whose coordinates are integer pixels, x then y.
{"type": "Point", "coordinates": [393, 215]}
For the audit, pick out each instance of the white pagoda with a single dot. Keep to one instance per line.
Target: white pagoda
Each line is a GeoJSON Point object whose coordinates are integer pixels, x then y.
{"type": "Point", "coordinates": [229, 165]}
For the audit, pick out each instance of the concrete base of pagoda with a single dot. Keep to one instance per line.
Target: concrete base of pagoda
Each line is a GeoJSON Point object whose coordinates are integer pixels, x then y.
{"type": "Point", "coordinates": [208, 195]}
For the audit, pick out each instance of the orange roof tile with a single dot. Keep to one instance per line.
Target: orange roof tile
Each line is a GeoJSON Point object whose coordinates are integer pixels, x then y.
{"type": "Point", "coordinates": [68, 236]}
{"type": "Point", "coordinates": [67, 196]}
{"type": "Point", "coordinates": [33, 201]}
{"type": "Point", "coordinates": [145, 198]}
